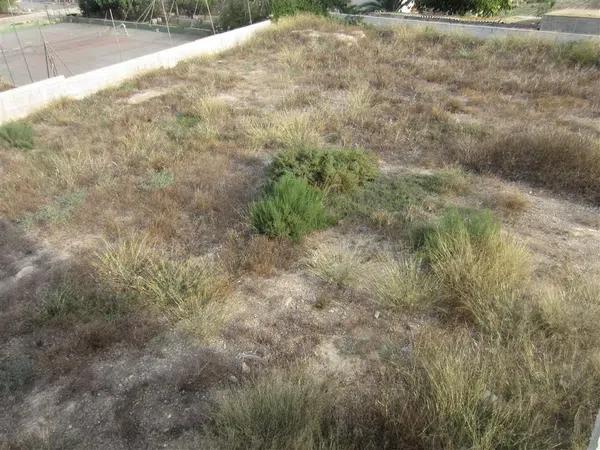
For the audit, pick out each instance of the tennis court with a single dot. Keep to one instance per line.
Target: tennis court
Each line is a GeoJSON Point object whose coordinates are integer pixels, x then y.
{"type": "Point", "coordinates": [73, 48]}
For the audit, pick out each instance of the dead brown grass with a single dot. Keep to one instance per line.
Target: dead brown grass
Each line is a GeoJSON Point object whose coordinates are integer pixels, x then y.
{"type": "Point", "coordinates": [5, 85]}
{"type": "Point", "coordinates": [510, 202]}
{"type": "Point", "coordinates": [560, 160]}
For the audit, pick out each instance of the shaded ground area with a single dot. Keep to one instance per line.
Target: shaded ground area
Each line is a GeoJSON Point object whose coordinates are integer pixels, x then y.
{"type": "Point", "coordinates": [139, 307]}
{"type": "Point", "coordinates": [77, 48]}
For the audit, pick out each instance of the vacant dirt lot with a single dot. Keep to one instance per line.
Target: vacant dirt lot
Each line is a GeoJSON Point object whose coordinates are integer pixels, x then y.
{"type": "Point", "coordinates": [451, 301]}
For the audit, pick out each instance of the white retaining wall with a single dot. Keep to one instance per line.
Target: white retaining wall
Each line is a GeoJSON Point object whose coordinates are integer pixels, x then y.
{"type": "Point", "coordinates": [24, 100]}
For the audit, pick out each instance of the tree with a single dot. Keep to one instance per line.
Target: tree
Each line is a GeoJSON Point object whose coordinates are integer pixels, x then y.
{"type": "Point", "coordinates": [384, 5]}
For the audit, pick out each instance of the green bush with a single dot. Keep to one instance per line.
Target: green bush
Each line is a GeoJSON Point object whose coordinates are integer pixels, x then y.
{"type": "Point", "coordinates": [234, 13]}
{"type": "Point", "coordinates": [280, 8]}
{"type": "Point", "coordinates": [134, 9]}
{"type": "Point", "coordinates": [100, 8]}
{"type": "Point", "coordinates": [4, 6]}
{"type": "Point", "coordinates": [383, 5]}
{"type": "Point", "coordinates": [341, 170]}
{"type": "Point", "coordinates": [290, 209]}
{"type": "Point", "coordinates": [17, 134]}
{"type": "Point", "coordinates": [481, 7]}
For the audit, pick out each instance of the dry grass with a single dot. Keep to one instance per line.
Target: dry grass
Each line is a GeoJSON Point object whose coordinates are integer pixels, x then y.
{"type": "Point", "coordinates": [191, 290]}
{"type": "Point", "coordinates": [563, 161]}
{"type": "Point", "coordinates": [480, 274]}
{"type": "Point", "coordinates": [5, 85]}
{"type": "Point", "coordinates": [569, 307]}
{"type": "Point", "coordinates": [510, 202]}
{"type": "Point", "coordinates": [460, 392]}
{"type": "Point", "coordinates": [278, 411]}
{"type": "Point", "coordinates": [338, 265]}
{"type": "Point", "coordinates": [478, 345]}
{"type": "Point", "coordinates": [258, 255]}
{"type": "Point", "coordinates": [401, 284]}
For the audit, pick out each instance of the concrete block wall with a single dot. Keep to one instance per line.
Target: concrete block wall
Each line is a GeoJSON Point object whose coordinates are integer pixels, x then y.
{"type": "Point", "coordinates": [477, 31]}
{"type": "Point", "coordinates": [24, 100]}
{"type": "Point", "coordinates": [571, 24]}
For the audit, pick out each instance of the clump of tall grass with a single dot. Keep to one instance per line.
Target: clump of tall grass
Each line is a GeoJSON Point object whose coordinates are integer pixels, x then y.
{"type": "Point", "coordinates": [460, 392]}
{"type": "Point", "coordinates": [17, 134]}
{"type": "Point", "coordinates": [5, 85]}
{"type": "Point", "coordinates": [291, 209]}
{"type": "Point", "coordinates": [479, 273]}
{"type": "Point", "coordinates": [72, 299]}
{"type": "Point", "coordinates": [275, 412]}
{"type": "Point", "coordinates": [581, 53]}
{"type": "Point", "coordinates": [336, 264]}
{"type": "Point", "coordinates": [510, 201]}
{"type": "Point", "coordinates": [569, 309]}
{"type": "Point", "coordinates": [181, 289]}
{"type": "Point", "coordinates": [336, 169]}
{"type": "Point", "coordinates": [286, 130]}
{"type": "Point", "coordinates": [400, 283]}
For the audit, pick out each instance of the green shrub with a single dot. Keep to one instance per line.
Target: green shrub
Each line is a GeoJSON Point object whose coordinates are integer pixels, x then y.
{"type": "Point", "coordinates": [4, 6]}
{"type": "Point", "coordinates": [290, 209]}
{"type": "Point", "coordinates": [341, 170]}
{"type": "Point", "coordinates": [389, 201]}
{"type": "Point", "coordinates": [383, 5]}
{"type": "Point", "coordinates": [479, 273]}
{"type": "Point", "coordinates": [481, 7]}
{"type": "Point", "coordinates": [17, 134]}
{"type": "Point", "coordinates": [134, 9]}
{"type": "Point", "coordinates": [235, 14]}
{"type": "Point", "coordinates": [280, 8]}
{"type": "Point", "coordinates": [273, 413]}
{"type": "Point", "coordinates": [100, 8]}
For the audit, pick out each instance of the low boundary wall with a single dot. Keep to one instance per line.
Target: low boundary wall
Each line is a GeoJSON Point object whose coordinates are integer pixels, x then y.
{"type": "Point", "coordinates": [173, 28]}
{"type": "Point", "coordinates": [21, 101]}
{"type": "Point", "coordinates": [571, 24]}
{"type": "Point", "coordinates": [478, 31]}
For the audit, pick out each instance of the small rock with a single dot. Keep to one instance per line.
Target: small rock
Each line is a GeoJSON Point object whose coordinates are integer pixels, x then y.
{"type": "Point", "coordinates": [377, 314]}
{"type": "Point", "coordinates": [25, 271]}
{"type": "Point", "coordinates": [233, 379]}
{"type": "Point", "coordinates": [245, 368]}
